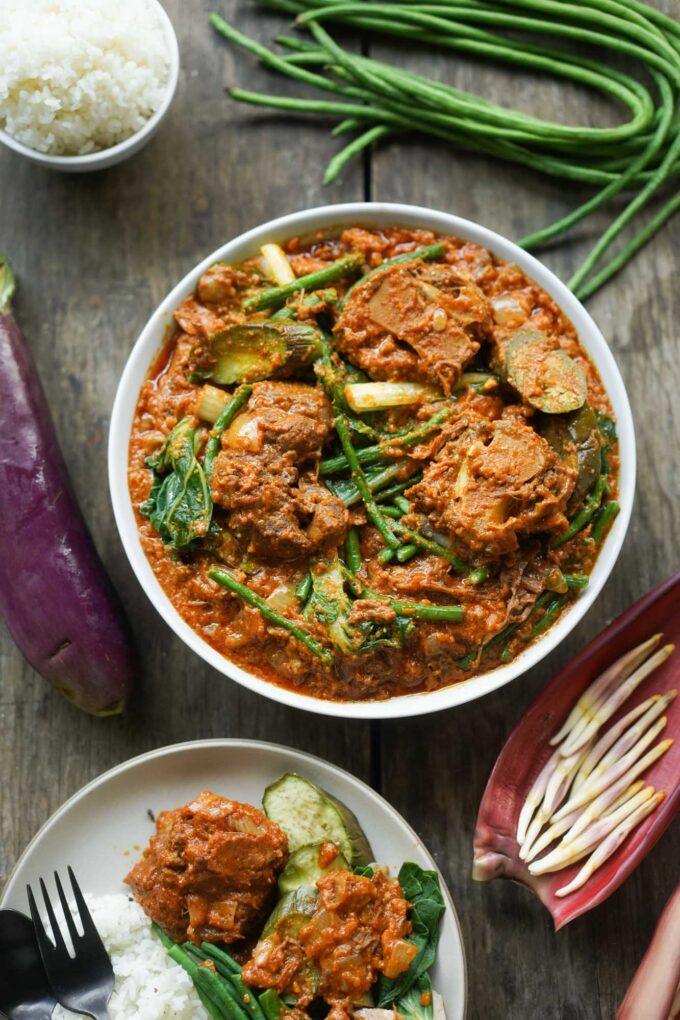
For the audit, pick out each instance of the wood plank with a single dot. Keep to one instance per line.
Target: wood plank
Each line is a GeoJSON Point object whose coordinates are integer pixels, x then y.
{"type": "Point", "coordinates": [94, 255]}
{"type": "Point", "coordinates": [435, 769]}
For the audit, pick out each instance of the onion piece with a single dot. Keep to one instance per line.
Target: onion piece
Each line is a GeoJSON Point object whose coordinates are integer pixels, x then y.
{"type": "Point", "coordinates": [374, 396]}
{"type": "Point", "coordinates": [283, 597]}
{"type": "Point", "coordinates": [612, 842]}
{"type": "Point", "coordinates": [210, 403]}
{"type": "Point", "coordinates": [276, 265]}
{"type": "Point", "coordinates": [611, 702]}
{"type": "Point", "coordinates": [619, 670]}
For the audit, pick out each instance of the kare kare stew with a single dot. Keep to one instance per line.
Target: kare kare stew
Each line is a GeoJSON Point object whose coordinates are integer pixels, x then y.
{"type": "Point", "coordinates": [372, 463]}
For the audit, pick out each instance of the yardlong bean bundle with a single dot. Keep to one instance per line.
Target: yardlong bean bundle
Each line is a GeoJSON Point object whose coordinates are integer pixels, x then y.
{"type": "Point", "coordinates": [375, 99]}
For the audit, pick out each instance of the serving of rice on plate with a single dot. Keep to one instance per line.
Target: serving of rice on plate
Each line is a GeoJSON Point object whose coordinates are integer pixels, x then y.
{"type": "Point", "coordinates": [149, 984]}
{"type": "Point", "coordinates": [79, 76]}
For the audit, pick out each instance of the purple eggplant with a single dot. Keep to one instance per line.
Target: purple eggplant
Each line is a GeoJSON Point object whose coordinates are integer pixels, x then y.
{"type": "Point", "coordinates": [55, 596]}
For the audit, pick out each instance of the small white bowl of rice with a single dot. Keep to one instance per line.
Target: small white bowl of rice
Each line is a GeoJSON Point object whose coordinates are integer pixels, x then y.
{"type": "Point", "coordinates": [84, 84]}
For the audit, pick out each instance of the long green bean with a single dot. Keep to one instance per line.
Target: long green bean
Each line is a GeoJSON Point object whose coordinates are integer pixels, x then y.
{"type": "Point", "coordinates": [418, 610]}
{"type": "Point", "coordinates": [552, 610]}
{"type": "Point", "coordinates": [353, 551]}
{"type": "Point", "coordinates": [584, 516]}
{"type": "Point", "coordinates": [374, 98]}
{"type": "Point", "coordinates": [223, 422]}
{"type": "Point", "coordinates": [415, 538]}
{"type": "Point", "coordinates": [359, 478]}
{"type": "Point", "coordinates": [603, 520]}
{"type": "Point", "coordinates": [312, 281]}
{"type": "Point", "coordinates": [251, 598]}
{"type": "Point", "coordinates": [390, 444]}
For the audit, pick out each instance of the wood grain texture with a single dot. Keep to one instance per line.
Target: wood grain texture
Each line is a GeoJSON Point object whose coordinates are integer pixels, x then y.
{"type": "Point", "coordinates": [95, 254]}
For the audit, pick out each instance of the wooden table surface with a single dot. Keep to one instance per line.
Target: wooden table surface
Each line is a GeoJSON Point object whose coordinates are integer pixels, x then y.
{"type": "Point", "coordinates": [95, 254]}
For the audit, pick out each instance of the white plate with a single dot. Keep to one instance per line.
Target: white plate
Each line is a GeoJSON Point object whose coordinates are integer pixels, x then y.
{"type": "Point", "coordinates": [101, 830]}
{"type": "Point", "coordinates": [370, 214]}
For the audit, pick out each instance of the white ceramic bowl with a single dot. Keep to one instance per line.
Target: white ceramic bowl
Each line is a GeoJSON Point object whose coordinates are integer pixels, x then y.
{"type": "Point", "coordinates": [116, 153]}
{"type": "Point", "coordinates": [375, 214]}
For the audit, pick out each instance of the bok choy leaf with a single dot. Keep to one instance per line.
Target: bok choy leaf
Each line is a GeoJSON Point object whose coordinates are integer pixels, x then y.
{"type": "Point", "coordinates": [417, 1003]}
{"type": "Point", "coordinates": [179, 504]}
{"type": "Point", "coordinates": [421, 888]}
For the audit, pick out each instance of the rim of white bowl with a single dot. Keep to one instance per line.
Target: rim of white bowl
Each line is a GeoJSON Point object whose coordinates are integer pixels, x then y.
{"type": "Point", "coordinates": [92, 160]}
{"type": "Point", "coordinates": [377, 214]}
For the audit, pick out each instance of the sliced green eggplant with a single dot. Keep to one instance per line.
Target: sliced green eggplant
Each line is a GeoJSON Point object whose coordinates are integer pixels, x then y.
{"type": "Point", "coordinates": [307, 814]}
{"type": "Point", "coordinates": [251, 351]}
{"type": "Point", "coordinates": [543, 375]}
{"type": "Point", "coordinates": [577, 439]}
{"type": "Point", "coordinates": [290, 914]}
{"type": "Point", "coordinates": [293, 910]}
{"type": "Point", "coordinates": [305, 867]}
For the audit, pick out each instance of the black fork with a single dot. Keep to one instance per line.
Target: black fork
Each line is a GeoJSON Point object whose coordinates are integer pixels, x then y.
{"type": "Point", "coordinates": [82, 982]}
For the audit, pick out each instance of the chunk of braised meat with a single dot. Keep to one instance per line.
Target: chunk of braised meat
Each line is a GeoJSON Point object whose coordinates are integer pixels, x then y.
{"type": "Point", "coordinates": [357, 931]}
{"type": "Point", "coordinates": [414, 321]}
{"type": "Point", "coordinates": [210, 872]}
{"type": "Point", "coordinates": [491, 482]}
{"type": "Point", "coordinates": [265, 474]}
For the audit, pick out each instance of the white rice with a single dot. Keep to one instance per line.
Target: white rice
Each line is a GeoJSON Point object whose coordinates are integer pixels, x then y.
{"type": "Point", "coordinates": [149, 985]}
{"type": "Point", "coordinates": [77, 76]}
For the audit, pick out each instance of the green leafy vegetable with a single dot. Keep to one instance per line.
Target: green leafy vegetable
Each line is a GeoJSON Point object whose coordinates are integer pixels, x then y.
{"type": "Point", "coordinates": [417, 1003]}
{"type": "Point", "coordinates": [330, 605]}
{"type": "Point", "coordinates": [179, 504]}
{"type": "Point", "coordinates": [606, 426]}
{"type": "Point", "coordinates": [421, 888]}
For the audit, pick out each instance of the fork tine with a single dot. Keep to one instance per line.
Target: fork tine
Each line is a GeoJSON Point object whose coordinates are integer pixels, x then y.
{"type": "Point", "coordinates": [38, 925]}
{"type": "Point", "coordinates": [56, 930]}
{"type": "Point", "coordinates": [70, 923]}
{"type": "Point", "coordinates": [88, 924]}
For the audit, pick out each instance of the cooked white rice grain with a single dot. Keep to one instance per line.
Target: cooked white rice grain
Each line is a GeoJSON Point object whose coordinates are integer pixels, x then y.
{"type": "Point", "coordinates": [149, 985]}
{"type": "Point", "coordinates": [77, 76]}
